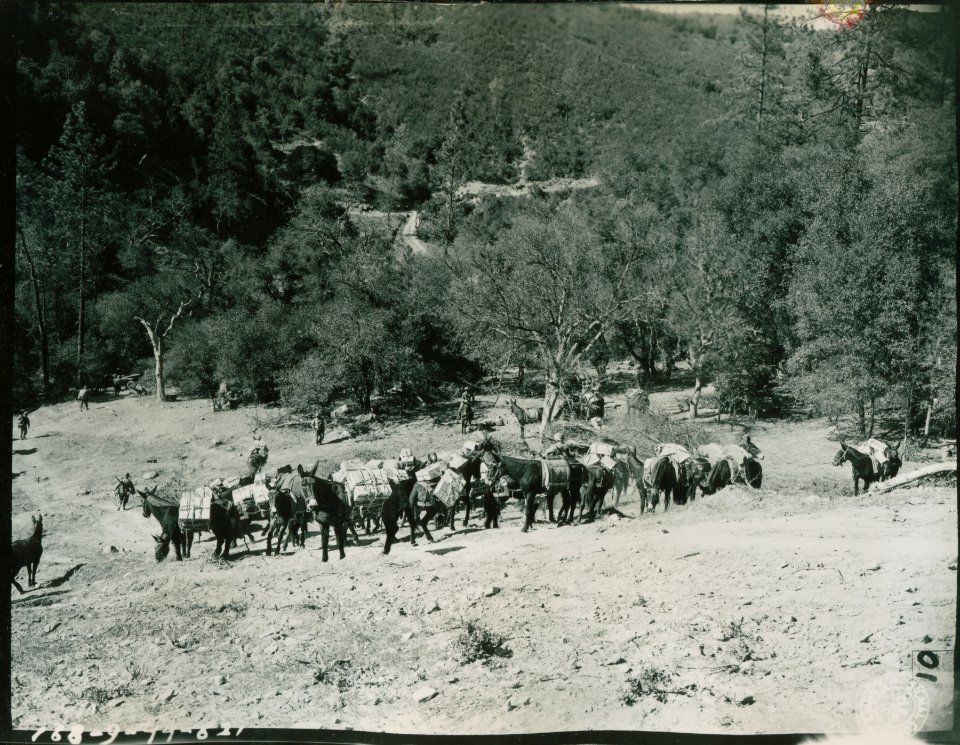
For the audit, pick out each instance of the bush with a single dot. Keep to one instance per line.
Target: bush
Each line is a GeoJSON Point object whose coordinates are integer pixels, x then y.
{"type": "Point", "coordinates": [478, 643]}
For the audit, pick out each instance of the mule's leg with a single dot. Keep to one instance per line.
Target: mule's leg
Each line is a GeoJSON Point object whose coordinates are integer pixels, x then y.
{"type": "Point", "coordinates": [411, 516]}
{"type": "Point", "coordinates": [550, 516]}
{"type": "Point", "coordinates": [390, 527]}
{"type": "Point", "coordinates": [178, 541]}
{"type": "Point", "coordinates": [325, 541]}
{"type": "Point", "coordinates": [428, 514]}
{"type": "Point", "coordinates": [466, 516]}
{"type": "Point", "coordinates": [530, 506]}
{"type": "Point", "coordinates": [340, 531]}
{"type": "Point", "coordinates": [16, 584]}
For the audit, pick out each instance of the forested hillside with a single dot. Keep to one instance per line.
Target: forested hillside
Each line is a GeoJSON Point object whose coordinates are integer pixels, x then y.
{"type": "Point", "coordinates": [776, 209]}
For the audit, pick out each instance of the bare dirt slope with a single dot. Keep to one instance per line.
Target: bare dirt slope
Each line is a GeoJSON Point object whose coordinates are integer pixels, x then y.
{"type": "Point", "coordinates": [741, 612]}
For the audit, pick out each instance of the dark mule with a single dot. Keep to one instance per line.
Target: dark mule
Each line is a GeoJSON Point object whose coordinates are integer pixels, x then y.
{"type": "Point", "coordinates": [690, 475]}
{"type": "Point", "coordinates": [224, 524]}
{"type": "Point", "coordinates": [862, 466]}
{"type": "Point", "coordinates": [528, 475]}
{"type": "Point", "coordinates": [286, 516]}
{"type": "Point", "coordinates": [596, 482]}
{"type": "Point", "coordinates": [394, 507]}
{"type": "Point", "coordinates": [331, 506]}
{"type": "Point", "coordinates": [27, 553]}
{"type": "Point", "coordinates": [663, 481]}
{"type": "Point", "coordinates": [167, 512]}
{"type": "Point", "coordinates": [408, 499]}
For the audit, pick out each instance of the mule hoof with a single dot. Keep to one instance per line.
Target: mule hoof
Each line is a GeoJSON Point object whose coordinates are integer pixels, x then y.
{"type": "Point", "coordinates": [325, 559]}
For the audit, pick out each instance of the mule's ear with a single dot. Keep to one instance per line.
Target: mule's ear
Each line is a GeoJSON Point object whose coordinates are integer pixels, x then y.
{"type": "Point", "coordinates": [313, 471]}
{"type": "Point", "coordinates": [842, 444]}
{"type": "Point", "coordinates": [300, 470]}
{"type": "Point", "coordinates": [158, 539]}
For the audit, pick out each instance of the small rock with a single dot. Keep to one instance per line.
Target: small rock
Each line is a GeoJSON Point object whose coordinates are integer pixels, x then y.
{"type": "Point", "coordinates": [454, 679]}
{"type": "Point", "coordinates": [408, 636]}
{"type": "Point", "coordinates": [927, 639]}
{"type": "Point", "coordinates": [746, 701]}
{"type": "Point", "coordinates": [114, 550]}
{"type": "Point", "coordinates": [491, 591]}
{"type": "Point", "coordinates": [434, 609]}
{"type": "Point", "coordinates": [52, 627]}
{"type": "Point", "coordinates": [220, 680]}
{"type": "Point", "coordinates": [422, 695]}
{"type": "Point", "coordinates": [664, 530]}
{"type": "Point", "coordinates": [216, 443]}
{"type": "Point", "coordinates": [149, 475]}
{"type": "Point", "coordinates": [116, 702]}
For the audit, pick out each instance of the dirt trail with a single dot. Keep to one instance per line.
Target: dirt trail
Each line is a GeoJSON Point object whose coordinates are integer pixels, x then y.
{"type": "Point", "coordinates": [742, 612]}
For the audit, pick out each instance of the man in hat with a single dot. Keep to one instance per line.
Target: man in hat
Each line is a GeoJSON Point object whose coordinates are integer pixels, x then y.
{"type": "Point", "coordinates": [319, 427]}
{"type": "Point", "coordinates": [465, 412]}
{"type": "Point", "coordinates": [82, 398]}
{"type": "Point", "coordinates": [124, 490]}
{"type": "Point", "coordinates": [24, 423]}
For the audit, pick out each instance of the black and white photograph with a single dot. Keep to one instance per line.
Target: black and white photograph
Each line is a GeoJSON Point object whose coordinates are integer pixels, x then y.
{"type": "Point", "coordinates": [414, 368]}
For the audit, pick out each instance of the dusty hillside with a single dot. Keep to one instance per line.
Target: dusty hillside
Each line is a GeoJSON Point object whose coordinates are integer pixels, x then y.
{"type": "Point", "coordinates": [742, 612]}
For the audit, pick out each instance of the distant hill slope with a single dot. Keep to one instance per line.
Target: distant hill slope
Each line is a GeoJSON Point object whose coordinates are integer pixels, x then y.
{"type": "Point", "coordinates": [581, 81]}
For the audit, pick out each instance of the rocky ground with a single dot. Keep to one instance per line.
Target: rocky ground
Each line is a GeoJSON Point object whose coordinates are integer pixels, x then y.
{"type": "Point", "coordinates": [779, 610]}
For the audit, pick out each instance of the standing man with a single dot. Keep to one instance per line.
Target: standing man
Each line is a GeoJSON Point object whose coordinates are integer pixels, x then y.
{"type": "Point", "coordinates": [124, 491]}
{"type": "Point", "coordinates": [24, 423]}
{"type": "Point", "coordinates": [319, 427]}
{"type": "Point", "coordinates": [82, 398]}
{"type": "Point", "coordinates": [465, 412]}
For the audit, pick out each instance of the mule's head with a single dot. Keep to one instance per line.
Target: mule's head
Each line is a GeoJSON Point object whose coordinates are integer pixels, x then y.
{"type": "Point", "coordinates": [144, 503]}
{"type": "Point", "coordinates": [841, 454]}
{"type": "Point", "coordinates": [163, 547]}
{"type": "Point", "coordinates": [751, 448]}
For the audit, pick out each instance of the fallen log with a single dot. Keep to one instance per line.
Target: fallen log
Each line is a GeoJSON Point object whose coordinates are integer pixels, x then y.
{"type": "Point", "coordinates": [936, 469]}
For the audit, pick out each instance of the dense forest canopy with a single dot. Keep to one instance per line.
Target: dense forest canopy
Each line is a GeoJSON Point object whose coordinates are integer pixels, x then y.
{"type": "Point", "coordinates": [774, 206]}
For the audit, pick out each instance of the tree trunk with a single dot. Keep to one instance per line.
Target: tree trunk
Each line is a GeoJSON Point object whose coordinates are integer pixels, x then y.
{"type": "Point", "coordinates": [41, 315]}
{"type": "Point", "coordinates": [158, 367]}
{"type": "Point", "coordinates": [81, 311]}
{"type": "Point", "coordinates": [906, 415]}
{"type": "Point", "coordinates": [763, 68]}
{"type": "Point", "coordinates": [926, 426]}
{"type": "Point", "coordinates": [550, 395]}
{"type": "Point", "coordinates": [520, 372]}
{"type": "Point", "coordinates": [873, 416]}
{"type": "Point", "coordinates": [695, 398]}
{"type": "Point", "coordinates": [861, 417]}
